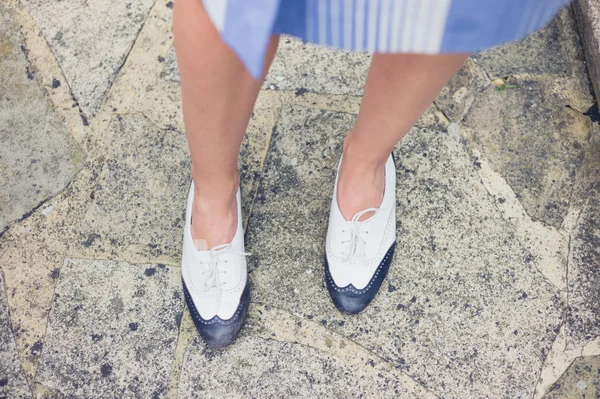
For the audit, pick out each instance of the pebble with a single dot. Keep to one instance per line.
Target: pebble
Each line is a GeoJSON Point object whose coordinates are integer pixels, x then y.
{"type": "Point", "coordinates": [47, 210]}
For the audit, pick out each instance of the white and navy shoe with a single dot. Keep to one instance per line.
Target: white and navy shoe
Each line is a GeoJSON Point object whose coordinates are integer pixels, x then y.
{"type": "Point", "coordinates": [215, 283]}
{"type": "Point", "coordinates": [358, 253]}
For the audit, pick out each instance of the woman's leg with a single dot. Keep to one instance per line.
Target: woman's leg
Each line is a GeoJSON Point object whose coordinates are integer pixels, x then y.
{"type": "Point", "coordinates": [218, 97]}
{"type": "Point", "coordinates": [399, 89]}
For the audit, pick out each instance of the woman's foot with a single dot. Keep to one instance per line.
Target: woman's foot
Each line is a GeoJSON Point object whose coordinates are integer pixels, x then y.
{"type": "Point", "coordinates": [215, 281]}
{"type": "Point", "coordinates": [360, 183]}
{"type": "Point", "coordinates": [358, 253]}
{"type": "Point", "coordinates": [214, 214]}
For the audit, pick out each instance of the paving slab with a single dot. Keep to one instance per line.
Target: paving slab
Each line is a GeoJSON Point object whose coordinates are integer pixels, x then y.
{"type": "Point", "coordinates": [31, 255]}
{"type": "Point", "coordinates": [457, 97]}
{"type": "Point", "coordinates": [112, 331]}
{"type": "Point", "coordinates": [38, 156]}
{"type": "Point", "coordinates": [583, 314]}
{"type": "Point", "coordinates": [171, 71]}
{"type": "Point", "coordinates": [306, 67]}
{"type": "Point", "coordinates": [464, 310]}
{"type": "Point", "coordinates": [318, 69]}
{"type": "Point", "coordinates": [272, 323]}
{"type": "Point", "coordinates": [91, 40]}
{"type": "Point", "coordinates": [587, 13]}
{"type": "Point", "coordinates": [12, 378]}
{"type": "Point", "coordinates": [285, 369]}
{"type": "Point", "coordinates": [580, 381]}
{"type": "Point", "coordinates": [138, 201]}
{"type": "Point", "coordinates": [139, 197]}
{"type": "Point", "coordinates": [554, 50]}
{"type": "Point", "coordinates": [533, 135]}
{"type": "Point", "coordinates": [530, 123]}
{"type": "Point", "coordinates": [140, 86]}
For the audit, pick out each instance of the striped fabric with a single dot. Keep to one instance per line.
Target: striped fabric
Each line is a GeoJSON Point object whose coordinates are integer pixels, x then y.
{"type": "Point", "coordinates": [411, 26]}
{"type": "Point", "coordinates": [383, 25]}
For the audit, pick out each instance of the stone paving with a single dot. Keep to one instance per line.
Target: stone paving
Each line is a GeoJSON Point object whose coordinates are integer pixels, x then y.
{"type": "Point", "coordinates": [494, 288]}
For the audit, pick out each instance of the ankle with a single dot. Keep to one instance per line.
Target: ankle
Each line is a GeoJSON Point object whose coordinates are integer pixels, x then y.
{"type": "Point", "coordinates": [361, 180]}
{"type": "Point", "coordinates": [214, 212]}
{"type": "Point", "coordinates": [215, 190]}
{"type": "Point", "coordinates": [358, 157]}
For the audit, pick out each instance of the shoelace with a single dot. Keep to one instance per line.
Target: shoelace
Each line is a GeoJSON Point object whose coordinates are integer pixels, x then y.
{"type": "Point", "coordinates": [213, 279]}
{"type": "Point", "coordinates": [356, 240]}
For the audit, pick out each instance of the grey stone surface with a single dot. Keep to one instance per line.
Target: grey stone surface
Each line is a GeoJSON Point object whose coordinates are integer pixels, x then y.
{"type": "Point", "coordinates": [317, 69]}
{"type": "Point", "coordinates": [583, 312]}
{"type": "Point", "coordinates": [171, 68]}
{"type": "Point", "coordinates": [458, 95]}
{"type": "Point", "coordinates": [464, 310]}
{"type": "Point", "coordinates": [112, 331]}
{"type": "Point", "coordinates": [587, 13]}
{"type": "Point", "coordinates": [534, 138]}
{"type": "Point", "coordinates": [140, 194]}
{"type": "Point", "coordinates": [12, 379]}
{"type": "Point", "coordinates": [139, 198]}
{"type": "Point", "coordinates": [306, 66]}
{"type": "Point", "coordinates": [554, 50]}
{"type": "Point", "coordinates": [285, 370]}
{"type": "Point", "coordinates": [38, 156]}
{"type": "Point", "coordinates": [580, 381]}
{"type": "Point", "coordinates": [91, 40]}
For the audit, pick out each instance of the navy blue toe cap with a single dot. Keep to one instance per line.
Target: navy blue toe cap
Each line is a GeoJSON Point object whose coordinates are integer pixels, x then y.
{"type": "Point", "coordinates": [350, 300]}
{"type": "Point", "coordinates": [216, 332]}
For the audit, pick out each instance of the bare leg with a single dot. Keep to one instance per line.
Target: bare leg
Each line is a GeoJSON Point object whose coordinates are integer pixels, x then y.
{"type": "Point", "coordinates": [218, 97]}
{"type": "Point", "coordinates": [399, 88]}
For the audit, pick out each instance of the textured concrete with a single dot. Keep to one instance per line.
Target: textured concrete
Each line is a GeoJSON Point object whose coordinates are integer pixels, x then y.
{"type": "Point", "coordinates": [171, 69]}
{"type": "Point", "coordinates": [448, 315]}
{"type": "Point", "coordinates": [145, 172]}
{"type": "Point", "coordinates": [533, 139]}
{"type": "Point", "coordinates": [31, 255]}
{"type": "Point", "coordinates": [112, 331]}
{"type": "Point", "coordinates": [554, 50]}
{"type": "Point", "coordinates": [580, 381]}
{"type": "Point", "coordinates": [138, 201]}
{"type": "Point", "coordinates": [530, 122]}
{"type": "Point", "coordinates": [587, 13]}
{"type": "Point", "coordinates": [308, 373]}
{"type": "Point", "coordinates": [306, 67]}
{"type": "Point", "coordinates": [301, 66]}
{"type": "Point", "coordinates": [583, 312]}
{"type": "Point", "coordinates": [493, 288]}
{"type": "Point", "coordinates": [38, 157]}
{"type": "Point", "coordinates": [91, 40]}
{"type": "Point", "coordinates": [12, 379]}
{"type": "Point", "coordinates": [277, 324]}
{"type": "Point", "coordinates": [457, 97]}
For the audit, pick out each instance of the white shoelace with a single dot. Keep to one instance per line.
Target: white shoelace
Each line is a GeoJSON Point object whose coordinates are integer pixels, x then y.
{"type": "Point", "coordinates": [356, 241]}
{"type": "Point", "coordinates": [213, 279]}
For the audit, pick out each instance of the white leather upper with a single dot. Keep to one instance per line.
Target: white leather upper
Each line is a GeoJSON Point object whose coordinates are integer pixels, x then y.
{"type": "Point", "coordinates": [380, 235]}
{"type": "Point", "coordinates": [196, 268]}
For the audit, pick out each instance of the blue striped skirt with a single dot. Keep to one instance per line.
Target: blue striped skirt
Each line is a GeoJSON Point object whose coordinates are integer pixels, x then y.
{"type": "Point", "coordinates": [390, 26]}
